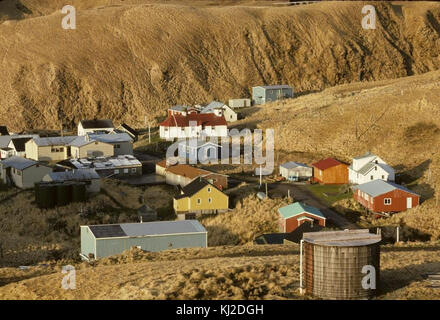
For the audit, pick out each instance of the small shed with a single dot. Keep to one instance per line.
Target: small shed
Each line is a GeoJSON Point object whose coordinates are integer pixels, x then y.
{"type": "Point", "coordinates": [99, 241]}
{"type": "Point", "coordinates": [239, 103]}
{"type": "Point", "coordinates": [341, 265]}
{"type": "Point", "coordinates": [293, 215]}
{"type": "Point", "coordinates": [264, 94]}
{"type": "Point", "coordinates": [330, 171]}
{"type": "Point", "coordinates": [385, 196]}
{"type": "Point", "coordinates": [296, 171]}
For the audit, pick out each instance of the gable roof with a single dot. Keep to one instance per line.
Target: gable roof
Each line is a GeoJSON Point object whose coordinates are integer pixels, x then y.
{"type": "Point", "coordinates": [193, 187]}
{"type": "Point", "coordinates": [146, 229]}
{"type": "Point", "coordinates": [370, 165]}
{"type": "Point", "coordinates": [326, 163]}
{"type": "Point", "coordinates": [280, 86]}
{"type": "Point", "coordinates": [4, 131]}
{"type": "Point", "coordinates": [129, 129]}
{"type": "Point", "coordinates": [292, 164]}
{"type": "Point", "coordinates": [97, 124]}
{"type": "Point", "coordinates": [377, 187]}
{"type": "Point", "coordinates": [19, 143]}
{"type": "Point", "coordinates": [54, 141]}
{"type": "Point", "coordinates": [18, 163]}
{"type": "Point", "coordinates": [201, 119]}
{"type": "Point", "coordinates": [298, 208]}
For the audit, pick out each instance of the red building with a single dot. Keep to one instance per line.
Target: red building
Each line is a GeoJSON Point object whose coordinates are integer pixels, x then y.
{"type": "Point", "coordinates": [330, 171]}
{"type": "Point", "coordinates": [383, 196]}
{"type": "Point", "coordinates": [295, 214]}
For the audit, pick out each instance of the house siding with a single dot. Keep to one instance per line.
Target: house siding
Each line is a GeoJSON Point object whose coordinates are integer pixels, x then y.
{"type": "Point", "coordinates": [219, 202]}
{"type": "Point", "coordinates": [290, 224]}
{"type": "Point", "coordinates": [333, 175]}
{"type": "Point", "coordinates": [377, 204]}
{"type": "Point", "coordinates": [96, 149]}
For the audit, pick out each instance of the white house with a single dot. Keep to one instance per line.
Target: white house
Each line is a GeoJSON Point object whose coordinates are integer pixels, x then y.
{"type": "Point", "coordinates": [21, 172]}
{"type": "Point", "coordinates": [295, 171]}
{"type": "Point", "coordinates": [369, 167]}
{"type": "Point", "coordinates": [192, 126]}
{"type": "Point", "coordinates": [220, 108]}
{"type": "Point", "coordinates": [95, 126]}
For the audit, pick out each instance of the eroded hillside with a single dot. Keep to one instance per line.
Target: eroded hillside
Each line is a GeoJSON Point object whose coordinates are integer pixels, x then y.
{"type": "Point", "coordinates": [129, 59]}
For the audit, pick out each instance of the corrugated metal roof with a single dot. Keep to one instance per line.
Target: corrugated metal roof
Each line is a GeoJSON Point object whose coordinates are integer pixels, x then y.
{"type": "Point", "coordinates": [111, 137]}
{"type": "Point", "coordinates": [377, 187]}
{"type": "Point", "coordinates": [346, 238]}
{"type": "Point", "coordinates": [105, 162]}
{"type": "Point", "coordinates": [17, 163]}
{"type": "Point", "coordinates": [78, 174]}
{"type": "Point", "coordinates": [292, 164]}
{"type": "Point", "coordinates": [297, 208]}
{"type": "Point", "coordinates": [54, 141]}
{"type": "Point", "coordinates": [281, 86]}
{"type": "Point", "coordinates": [326, 163]}
{"type": "Point", "coordinates": [213, 105]}
{"type": "Point", "coordinates": [5, 140]}
{"type": "Point", "coordinates": [147, 229]}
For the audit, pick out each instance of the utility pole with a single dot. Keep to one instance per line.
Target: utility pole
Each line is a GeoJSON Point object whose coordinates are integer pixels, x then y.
{"type": "Point", "coordinates": [61, 125]}
{"type": "Point", "coordinates": [266, 191]}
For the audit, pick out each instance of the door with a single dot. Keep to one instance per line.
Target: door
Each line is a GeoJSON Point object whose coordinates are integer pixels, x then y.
{"type": "Point", "coordinates": [409, 203]}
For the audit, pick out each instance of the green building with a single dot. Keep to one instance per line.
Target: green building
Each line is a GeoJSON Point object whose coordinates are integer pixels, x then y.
{"type": "Point", "coordinates": [98, 241]}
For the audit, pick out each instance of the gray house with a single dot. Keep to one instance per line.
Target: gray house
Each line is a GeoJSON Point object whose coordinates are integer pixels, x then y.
{"type": "Point", "coordinates": [122, 142]}
{"type": "Point", "coordinates": [98, 241]}
{"type": "Point", "coordinates": [21, 172]}
{"type": "Point", "coordinates": [264, 94]}
{"type": "Point", "coordinates": [296, 171]}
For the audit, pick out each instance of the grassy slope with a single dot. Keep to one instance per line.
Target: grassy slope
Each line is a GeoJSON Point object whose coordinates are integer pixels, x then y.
{"type": "Point", "coordinates": [130, 59]}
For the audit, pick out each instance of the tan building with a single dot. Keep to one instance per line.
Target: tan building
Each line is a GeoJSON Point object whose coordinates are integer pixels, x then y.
{"type": "Point", "coordinates": [200, 197]}
{"type": "Point", "coordinates": [21, 172]}
{"type": "Point", "coordinates": [84, 147]}
{"type": "Point", "coordinates": [122, 143]}
{"type": "Point", "coordinates": [49, 149]}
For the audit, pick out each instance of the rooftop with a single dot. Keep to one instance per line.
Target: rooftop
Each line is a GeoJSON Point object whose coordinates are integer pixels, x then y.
{"type": "Point", "coordinates": [200, 119]}
{"type": "Point", "coordinates": [346, 238]}
{"type": "Point", "coordinates": [292, 164]}
{"type": "Point", "coordinates": [78, 174]}
{"type": "Point", "coordinates": [17, 163]}
{"type": "Point", "coordinates": [377, 187]}
{"type": "Point", "coordinates": [111, 137]}
{"type": "Point", "coordinates": [298, 208]}
{"type": "Point", "coordinates": [326, 163]}
{"type": "Point", "coordinates": [100, 163]}
{"type": "Point", "coordinates": [280, 86]}
{"type": "Point", "coordinates": [146, 229]}
{"type": "Point", "coordinates": [54, 141]}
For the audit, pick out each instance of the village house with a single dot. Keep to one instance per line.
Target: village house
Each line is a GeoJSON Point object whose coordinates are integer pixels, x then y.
{"type": "Point", "coordinates": [330, 171]}
{"type": "Point", "coordinates": [115, 167]}
{"type": "Point", "coordinates": [384, 196]}
{"type": "Point", "coordinates": [95, 126]}
{"type": "Point", "coordinates": [22, 172]}
{"type": "Point", "coordinates": [99, 241]}
{"type": "Point", "coordinates": [369, 167]}
{"type": "Point", "coordinates": [295, 171]}
{"type": "Point", "coordinates": [293, 215]}
{"type": "Point", "coordinates": [49, 149]}
{"type": "Point", "coordinates": [239, 103]}
{"type": "Point", "coordinates": [199, 150]}
{"type": "Point", "coordinates": [264, 94]}
{"type": "Point", "coordinates": [180, 110]}
{"type": "Point", "coordinates": [18, 146]}
{"type": "Point", "coordinates": [199, 197]}
{"type": "Point", "coordinates": [7, 149]}
{"type": "Point", "coordinates": [219, 109]}
{"type": "Point", "coordinates": [89, 176]}
{"type": "Point", "coordinates": [183, 174]}
{"type": "Point", "coordinates": [192, 126]}
{"type": "Point", "coordinates": [84, 147]}
{"type": "Point", "coordinates": [122, 142]}
{"type": "Point", "coordinates": [128, 130]}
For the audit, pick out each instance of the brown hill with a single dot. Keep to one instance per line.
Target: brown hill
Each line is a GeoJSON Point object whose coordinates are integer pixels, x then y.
{"type": "Point", "coordinates": [134, 58]}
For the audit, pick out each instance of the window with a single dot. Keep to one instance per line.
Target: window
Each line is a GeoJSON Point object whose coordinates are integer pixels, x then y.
{"type": "Point", "coordinates": [116, 171]}
{"type": "Point", "coordinates": [209, 200]}
{"type": "Point", "coordinates": [375, 161]}
{"type": "Point", "coordinates": [383, 177]}
{"type": "Point", "coordinates": [371, 178]}
{"type": "Point", "coordinates": [133, 170]}
{"type": "Point", "coordinates": [199, 201]}
{"type": "Point", "coordinates": [209, 189]}
{"type": "Point", "coordinates": [125, 170]}
{"type": "Point", "coordinates": [375, 168]}
{"type": "Point", "coordinates": [387, 201]}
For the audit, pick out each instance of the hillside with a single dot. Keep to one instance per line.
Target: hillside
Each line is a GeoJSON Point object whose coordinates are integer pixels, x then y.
{"type": "Point", "coordinates": [399, 120]}
{"type": "Point", "coordinates": [243, 272]}
{"type": "Point", "coordinates": [128, 59]}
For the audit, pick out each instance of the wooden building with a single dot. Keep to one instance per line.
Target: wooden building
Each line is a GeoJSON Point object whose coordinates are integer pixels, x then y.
{"type": "Point", "coordinates": [385, 196]}
{"type": "Point", "coordinates": [293, 215]}
{"type": "Point", "coordinates": [330, 171]}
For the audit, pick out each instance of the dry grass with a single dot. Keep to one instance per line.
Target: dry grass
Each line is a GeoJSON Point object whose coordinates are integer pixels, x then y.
{"type": "Point", "coordinates": [250, 218]}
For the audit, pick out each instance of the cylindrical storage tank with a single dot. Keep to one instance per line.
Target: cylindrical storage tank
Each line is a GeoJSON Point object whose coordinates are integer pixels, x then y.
{"type": "Point", "coordinates": [47, 196]}
{"type": "Point", "coordinates": [341, 265]}
{"type": "Point", "coordinates": [79, 192]}
{"type": "Point", "coordinates": [64, 194]}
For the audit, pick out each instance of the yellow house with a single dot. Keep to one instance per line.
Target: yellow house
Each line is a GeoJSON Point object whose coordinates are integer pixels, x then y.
{"type": "Point", "coordinates": [49, 149]}
{"type": "Point", "coordinates": [200, 197]}
{"type": "Point", "coordinates": [84, 147]}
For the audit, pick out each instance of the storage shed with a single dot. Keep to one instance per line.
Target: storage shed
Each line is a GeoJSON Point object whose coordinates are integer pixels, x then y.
{"type": "Point", "coordinates": [239, 103]}
{"type": "Point", "coordinates": [341, 265]}
{"type": "Point", "coordinates": [295, 214]}
{"type": "Point", "coordinates": [296, 171]}
{"type": "Point", "coordinates": [264, 94]}
{"type": "Point", "coordinates": [98, 241]}
{"type": "Point", "coordinates": [330, 171]}
{"type": "Point", "coordinates": [385, 196]}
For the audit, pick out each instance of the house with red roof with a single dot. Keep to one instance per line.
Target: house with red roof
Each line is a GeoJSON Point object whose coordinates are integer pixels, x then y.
{"type": "Point", "coordinates": [191, 125]}
{"type": "Point", "coordinates": [330, 171]}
